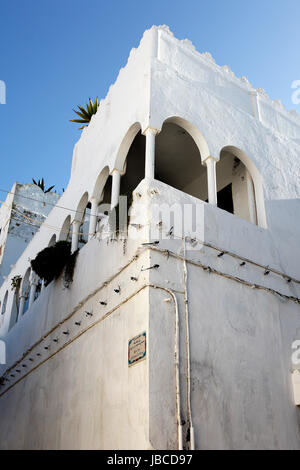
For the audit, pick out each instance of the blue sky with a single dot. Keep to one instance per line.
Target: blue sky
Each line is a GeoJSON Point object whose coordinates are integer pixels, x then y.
{"type": "Point", "coordinates": [54, 54]}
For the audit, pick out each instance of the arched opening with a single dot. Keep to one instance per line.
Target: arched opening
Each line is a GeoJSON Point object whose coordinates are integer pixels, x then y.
{"type": "Point", "coordinates": [127, 173]}
{"type": "Point", "coordinates": [134, 165]}
{"type": "Point", "coordinates": [14, 309]}
{"type": "Point", "coordinates": [65, 233]}
{"type": "Point", "coordinates": [107, 191]}
{"type": "Point", "coordinates": [4, 303]}
{"type": "Point", "coordinates": [101, 196]}
{"type": "Point", "coordinates": [25, 290]}
{"type": "Point", "coordinates": [38, 289]}
{"type": "Point", "coordinates": [3, 308]}
{"type": "Point", "coordinates": [239, 186]}
{"type": "Point", "coordinates": [84, 228]}
{"type": "Point", "coordinates": [178, 160]}
{"type": "Point", "coordinates": [52, 240]}
{"type": "Point", "coordinates": [125, 146]}
{"type": "Point", "coordinates": [104, 206]}
{"type": "Point", "coordinates": [130, 160]}
{"type": "Point", "coordinates": [83, 217]}
{"type": "Point", "coordinates": [100, 184]}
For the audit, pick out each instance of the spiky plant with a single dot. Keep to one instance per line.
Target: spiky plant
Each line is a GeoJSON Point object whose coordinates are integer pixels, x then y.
{"type": "Point", "coordinates": [41, 184]}
{"type": "Point", "coordinates": [86, 114]}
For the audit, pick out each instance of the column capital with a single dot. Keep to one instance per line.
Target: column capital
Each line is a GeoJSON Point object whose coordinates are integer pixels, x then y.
{"type": "Point", "coordinates": [151, 130]}
{"type": "Point", "coordinates": [210, 158]}
{"type": "Point", "coordinates": [117, 171]}
{"type": "Point", "coordinates": [75, 222]}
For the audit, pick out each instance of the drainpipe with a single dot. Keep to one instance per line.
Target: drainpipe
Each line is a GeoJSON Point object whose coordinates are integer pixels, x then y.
{"type": "Point", "coordinates": [188, 355]}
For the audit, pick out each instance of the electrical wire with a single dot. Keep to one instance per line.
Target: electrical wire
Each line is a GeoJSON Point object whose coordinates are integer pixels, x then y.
{"type": "Point", "coordinates": [227, 276]}
{"type": "Point", "coordinates": [209, 245]}
{"type": "Point", "coordinates": [38, 200]}
{"type": "Point", "coordinates": [135, 257]}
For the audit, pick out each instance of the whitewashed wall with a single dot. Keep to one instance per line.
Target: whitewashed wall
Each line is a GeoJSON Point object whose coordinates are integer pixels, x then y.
{"type": "Point", "coordinates": [240, 336]}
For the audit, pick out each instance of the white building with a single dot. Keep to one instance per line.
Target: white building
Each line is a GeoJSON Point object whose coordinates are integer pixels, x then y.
{"type": "Point", "coordinates": [210, 311]}
{"type": "Point", "coordinates": [21, 215]}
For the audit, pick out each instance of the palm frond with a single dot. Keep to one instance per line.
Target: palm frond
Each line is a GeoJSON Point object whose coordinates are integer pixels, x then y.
{"type": "Point", "coordinates": [49, 189]}
{"type": "Point", "coordinates": [86, 113]}
{"type": "Point", "coordinates": [41, 185]}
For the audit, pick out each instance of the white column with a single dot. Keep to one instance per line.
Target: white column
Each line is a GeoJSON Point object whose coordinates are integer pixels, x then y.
{"type": "Point", "coordinates": [34, 280]}
{"type": "Point", "coordinates": [75, 235]}
{"type": "Point", "coordinates": [150, 134]}
{"type": "Point", "coordinates": [211, 179]}
{"type": "Point", "coordinates": [115, 188]}
{"type": "Point", "coordinates": [21, 306]}
{"type": "Point", "coordinates": [93, 217]}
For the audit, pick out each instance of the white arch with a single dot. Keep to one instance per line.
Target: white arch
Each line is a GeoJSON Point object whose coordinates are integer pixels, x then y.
{"type": "Point", "coordinates": [52, 240]}
{"type": "Point", "coordinates": [65, 230]}
{"type": "Point", "coordinates": [257, 182]}
{"type": "Point", "coordinates": [125, 146]}
{"type": "Point", "coordinates": [100, 183]}
{"type": "Point", "coordinates": [81, 207]}
{"type": "Point", "coordinates": [194, 133]}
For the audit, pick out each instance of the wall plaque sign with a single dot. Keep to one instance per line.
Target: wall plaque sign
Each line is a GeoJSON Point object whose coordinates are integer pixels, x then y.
{"type": "Point", "coordinates": [137, 349]}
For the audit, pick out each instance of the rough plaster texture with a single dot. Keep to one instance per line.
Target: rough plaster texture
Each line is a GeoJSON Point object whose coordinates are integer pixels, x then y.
{"type": "Point", "coordinates": [81, 393]}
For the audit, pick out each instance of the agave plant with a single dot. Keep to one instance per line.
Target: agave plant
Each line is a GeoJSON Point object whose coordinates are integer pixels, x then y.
{"type": "Point", "coordinates": [41, 184]}
{"type": "Point", "coordinates": [86, 114]}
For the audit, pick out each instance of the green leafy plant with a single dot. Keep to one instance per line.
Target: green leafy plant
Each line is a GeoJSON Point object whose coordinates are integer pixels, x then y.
{"type": "Point", "coordinates": [16, 282]}
{"type": "Point", "coordinates": [86, 113]}
{"type": "Point", "coordinates": [50, 262]}
{"type": "Point", "coordinates": [41, 184]}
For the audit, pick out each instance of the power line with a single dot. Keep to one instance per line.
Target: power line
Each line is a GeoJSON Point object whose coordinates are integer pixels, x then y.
{"type": "Point", "coordinates": [32, 222]}
{"type": "Point", "coordinates": [39, 200]}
